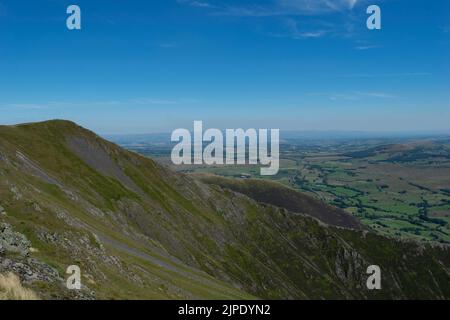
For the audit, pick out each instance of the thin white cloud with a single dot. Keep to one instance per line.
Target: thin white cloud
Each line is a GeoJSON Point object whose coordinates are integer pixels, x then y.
{"type": "Point", "coordinates": [150, 101]}
{"type": "Point", "coordinates": [23, 106]}
{"type": "Point", "coordinates": [367, 47]}
{"type": "Point", "coordinates": [353, 95]}
{"type": "Point", "coordinates": [352, 3]}
{"type": "Point", "coordinates": [380, 95]}
{"type": "Point", "coordinates": [277, 7]}
{"type": "Point", "coordinates": [197, 4]}
{"type": "Point", "coordinates": [294, 31]}
{"type": "Point", "coordinates": [169, 45]}
{"type": "Point", "coordinates": [291, 10]}
{"type": "Point", "coordinates": [94, 104]}
{"type": "Point", "coordinates": [316, 6]}
{"type": "Point", "coordinates": [383, 75]}
{"type": "Point", "coordinates": [201, 4]}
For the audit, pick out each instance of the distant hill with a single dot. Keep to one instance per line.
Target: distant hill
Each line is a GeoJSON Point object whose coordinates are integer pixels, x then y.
{"type": "Point", "coordinates": [407, 152]}
{"type": "Point", "coordinates": [139, 230]}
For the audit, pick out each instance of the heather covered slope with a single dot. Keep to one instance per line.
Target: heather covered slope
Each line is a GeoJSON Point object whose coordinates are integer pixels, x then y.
{"type": "Point", "coordinates": [139, 230]}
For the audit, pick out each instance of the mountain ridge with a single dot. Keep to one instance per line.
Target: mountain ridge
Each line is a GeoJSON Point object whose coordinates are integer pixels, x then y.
{"type": "Point", "coordinates": [139, 230]}
{"type": "Point", "coordinates": [275, 193]}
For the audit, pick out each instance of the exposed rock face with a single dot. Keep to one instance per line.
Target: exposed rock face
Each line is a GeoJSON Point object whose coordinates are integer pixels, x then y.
{"type": "Point", "coordinates": [2, 210]}
{"type": "Point", "coordinates": [97, 156]}
{"type": "Point", "coordinates": [12, 241]}
{"type": "Point", "coordinates": [31, 270]}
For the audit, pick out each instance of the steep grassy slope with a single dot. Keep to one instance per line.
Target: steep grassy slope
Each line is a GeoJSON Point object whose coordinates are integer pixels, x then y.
{"type": "Point", "coordinates": [139, 230]}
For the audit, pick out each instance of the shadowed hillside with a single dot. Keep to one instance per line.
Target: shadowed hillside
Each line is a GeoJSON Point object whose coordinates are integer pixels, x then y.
{"type": "Point", "coordinates": [139, 230]}
{"type": "Point", "coordinates": [284, 197]}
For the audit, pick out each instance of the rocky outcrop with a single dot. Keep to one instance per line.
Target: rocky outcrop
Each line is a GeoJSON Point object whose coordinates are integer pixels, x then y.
{"type": "Point", "coordinates": [31, 270]}
{"type": "Point", "coordinates": [11, 241]}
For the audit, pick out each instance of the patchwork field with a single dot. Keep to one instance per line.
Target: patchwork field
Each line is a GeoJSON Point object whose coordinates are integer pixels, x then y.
{"type": "Point", "coordinates": [398, 187]}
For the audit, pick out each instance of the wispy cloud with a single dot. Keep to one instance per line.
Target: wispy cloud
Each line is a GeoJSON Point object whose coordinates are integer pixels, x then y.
{"type": "Point", "coordinates": [23, 106]}
{"type": "Point", "coordinates": [94, 104]}
{"type": "Point", "coordinates": [366, 47]}
{"type": "Point", "coordinates": [315, 6]}
{"type": "Point", "coordinates": [380, 95]}
{"type": "Point", "coordinates": [312, 24]}
{"type": "Point", "coordinates": [197, 4]}
{"type": "Point", "coordinates": [150, 101]}
{"type": "Point", "coordinates": [353, 95]}
{"type": "Point", "coordinates": [293, 30]}
{"type": "Point", "coordinates": [276, 7]}
{"type": "Point", "coordinates": [383, 75]}
{"type": "Point", "coordinates": [168, 45]}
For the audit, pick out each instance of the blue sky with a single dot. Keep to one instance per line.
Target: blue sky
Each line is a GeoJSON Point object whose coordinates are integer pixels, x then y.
{"type": "Point", "coordinates": [152, 66]}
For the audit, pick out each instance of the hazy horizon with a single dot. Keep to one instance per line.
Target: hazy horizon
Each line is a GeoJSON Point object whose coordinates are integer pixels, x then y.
{"type": "Point", "coordinates": [291, 132]}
